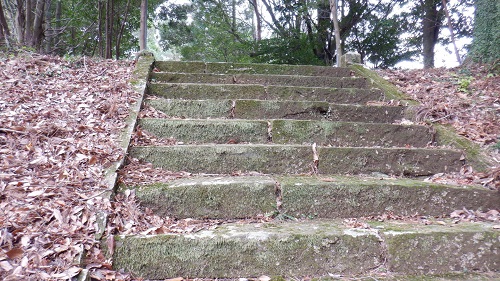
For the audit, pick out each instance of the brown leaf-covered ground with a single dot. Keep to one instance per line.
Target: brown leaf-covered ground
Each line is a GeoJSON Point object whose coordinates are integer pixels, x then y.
{"type": "Point", "coordinates": [59, 122]}
{"type": "Point", "coordinates": [466, 98]}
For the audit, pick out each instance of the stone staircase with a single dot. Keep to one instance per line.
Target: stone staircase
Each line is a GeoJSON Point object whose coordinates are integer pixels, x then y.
{"type": "Point", "coordinates": [311, 144]}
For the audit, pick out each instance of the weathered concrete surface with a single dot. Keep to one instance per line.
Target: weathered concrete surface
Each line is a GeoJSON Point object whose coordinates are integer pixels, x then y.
{"type": "Point", "coordinates": [235, 250]}
{"type": "Point", "coordinates": [193, 108]}
{"type": "Point", "coordinates": [272, 109]}
{"type": "Point", "coordinates": [208, 131]}
{"type": "Point", "coordinates": [226, 159]}
{"type": "Point", "coordinates": [261, 79]}
{"type": "Point", "coordinates": [393, 161]}
{"type": "Point", "coordinates": [324, 133]}
{"type": "Point", "coordinates": [235, 91]}
{"type": "Point", "coordinates": [310, 248]}
{"type": "Point", "coordinates": [347, 197]}
{"type": "Point", "coordinates": [343, 134]}
{"type": "Point", "coordinates": [211, 197]}
{"type": "Point", "coordinates": [298, 159]}
{"type": "Point", "coordinates": [258, 109]}
{"type": "Point", "coordinates": [440, 249]}
{"type": "Point", "coordinates": [250, 68]}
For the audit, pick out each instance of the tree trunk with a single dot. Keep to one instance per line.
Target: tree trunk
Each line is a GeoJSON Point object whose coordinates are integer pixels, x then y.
{"type": "Point", "coordinates": [28, 24]}
{"type": "Point", "coordinates": [430, 31]}
{"type": "Point", "coordinates": [258, 21]}
{"type": "Point", "coordinates": [324, 50]}
{"type": "Point", "coordinates": [109, 29]}
{"type": "Point", "coordinates": [143, 37]}
{"type": "Point", "coordinates": [452, 33]}
{"type": "Point", "coordinates": [120, 32]}
{"type": "Point", "coordinates": [4, 28]}
{"type": "Point", "coordinates": [338, 46]}
{"type": "Point", "coordinates": [36, 39]}
{"type": "Point", "coordinates": [100, 24]}
{"type": "Point", "coordinates": [49, 32]}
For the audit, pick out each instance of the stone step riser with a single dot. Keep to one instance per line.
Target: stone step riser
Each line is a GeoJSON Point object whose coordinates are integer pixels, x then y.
{"type": "Point", "coordinates": [310, 249]}
{"type": "Point", "coordinates": [323, 133]}
{"type": "Point", "coordinates": [233, 92]}
{"type": "Point", "coordinates": [261, 109]}
{"type": "Point", "coordinates": [298, 159]}
{"type": "Point", "coordinates": [239, 68]}
{"type": "Point", "coordinates": [308, 197]}
{"type": "Point", "coordinates": [261, 79]}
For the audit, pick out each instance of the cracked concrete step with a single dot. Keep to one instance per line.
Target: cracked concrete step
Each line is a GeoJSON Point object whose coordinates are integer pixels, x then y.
{"type": "Point", "coordinates": [267, 109]}
{"type": "Point", "coordinates": [211, 91]}
{"type": "Point", "coordinates": [298, 159]}
{"type": "Point", "coordinates": [330, 196]}
{"type": "Point", "coordinates": [310, 248]}
{"type": "Point", "coordinates": [250, 68]}
{"type": "Point", "coordinates": [261, 79]}
{"type": "Point", "coordinates": [323, 133]}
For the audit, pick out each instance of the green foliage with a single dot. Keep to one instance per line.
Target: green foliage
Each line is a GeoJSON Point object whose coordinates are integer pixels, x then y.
{"type": "Point", "coordinates": [378, 39]}
{"type": "Point", "coordinates": [496, 146]}
{"type": "Point", "coordinates": [464, 83]}
{"type": "Point", "coordinates": [486, 44]}
{"type": "Point", "coordinates": [205, 31]}
{"type": "Point", "coordinates": [286, 50]}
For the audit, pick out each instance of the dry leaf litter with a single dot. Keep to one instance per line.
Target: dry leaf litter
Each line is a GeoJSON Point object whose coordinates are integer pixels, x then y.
{"type": "Point", "coordinates": [59, 126]}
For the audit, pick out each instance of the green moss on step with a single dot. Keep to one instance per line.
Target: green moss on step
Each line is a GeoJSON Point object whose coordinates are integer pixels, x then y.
{"type": "Point", "coordinates": [474, 156]}
{"type": "Point", "coordinates": [390, 91]}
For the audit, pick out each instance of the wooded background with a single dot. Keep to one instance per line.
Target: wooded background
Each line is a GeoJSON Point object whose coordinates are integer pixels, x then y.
{"type": "Point", "coordinates": [384, 32]}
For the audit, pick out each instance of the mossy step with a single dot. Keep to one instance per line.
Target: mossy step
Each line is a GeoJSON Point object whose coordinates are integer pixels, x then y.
{"type": "Point", "coordinates": [324, 133]}
{"type": "Point", "coordinates": [298, 159]}
{"type": "Point", "coordinates": [310, 248]}
{"type": "Point", "coordinates": [261, 79]}
{"type": "Point", "coordinates": [250, 68]}
{"type": "Point", "coordinates": [271, 109]}
{"type": "Point", "coordinates": [211, 91]}
{"type": "Point", "coordinates": [330, 196]}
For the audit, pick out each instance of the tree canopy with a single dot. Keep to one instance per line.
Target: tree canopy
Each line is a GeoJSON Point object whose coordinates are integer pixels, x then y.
{"type": "Point", "coordinates": [383, 32]}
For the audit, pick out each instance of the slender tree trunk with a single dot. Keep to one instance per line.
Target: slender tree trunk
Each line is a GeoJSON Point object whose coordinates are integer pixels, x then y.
{"type": "Point", "coordinates": [452, 34]}
{"type": "Point", "coordinates": [143, 38]}
{"type": "Point", "coordinates": [120, 32]}
{"type": "Point", "coordinates": [48, 27]}
{"type": "Point", "coordinates": [28, 24]}
{"type": "Point", "coordinates": [100, 9]}
{"type": "Point", "coordinates": [431, 25]}
{"type": "Point", "coordinates": [233, 15]}
{"type": "Point", "coordinates": [4, 28]}
{"type": "Point", "coordinates": [258, 21]}
{"type": "Point", "coordinates": [37, 36]}
{"type": "Point", "coordinates": [109, 29]}
{"type": "Point", "coordinates": [338, 46]}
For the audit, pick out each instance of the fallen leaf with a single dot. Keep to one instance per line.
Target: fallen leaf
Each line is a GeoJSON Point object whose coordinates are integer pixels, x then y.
{"type": "Point", "coordinates": [15, 253]}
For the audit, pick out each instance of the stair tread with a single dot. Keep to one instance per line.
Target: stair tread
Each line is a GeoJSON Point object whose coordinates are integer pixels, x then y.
{"type": "Point", "coordinates": [261, 79]}
{"type": "Point", "coordinates": [323, 196]}
{"type": "Point", "coordinates": [270, 92]}
{"type": "Point", "coordinates": [222, 67]}
{"type": "Point", "coordinates": [277, 109]}
{"type": "Point", "coordinates": [317, 247]}
{"type": "Point", "coordinates": [298, 159]}
{"type": "Point", "coordinates": [283, 131]}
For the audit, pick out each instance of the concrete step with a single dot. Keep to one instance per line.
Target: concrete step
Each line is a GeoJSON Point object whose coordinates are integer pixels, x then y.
{"type": "Point", "coordinates": [323, 133]}
{"type": "Point", "coordinates": [250, 68]}
{"type": "Point", "coordinates": [310, 248]}
{"type": "Point", "coordinates": [329, 196]}
{"type": "Point", "coordinates": [298, 159]}
{"type": "Point", "coordinates": [235, 91]}
{"type": "Point", "coordinates": [267, 109]}
{"type": "Point", "coordinates": [261, 79]}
